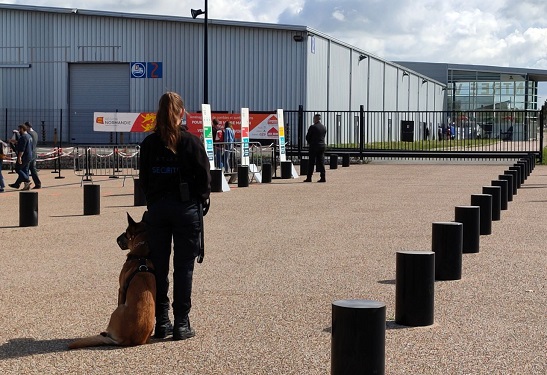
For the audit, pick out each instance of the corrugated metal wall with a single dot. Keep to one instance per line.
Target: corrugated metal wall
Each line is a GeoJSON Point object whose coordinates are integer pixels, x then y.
{"type": "Point", "coordinates": [262, 68]}
{"type": "Point", "coordinates": [317, 74]}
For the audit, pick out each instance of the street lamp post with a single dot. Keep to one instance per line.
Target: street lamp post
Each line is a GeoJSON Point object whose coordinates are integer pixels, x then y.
{"type": "Point", "coordinates": [196, 13]}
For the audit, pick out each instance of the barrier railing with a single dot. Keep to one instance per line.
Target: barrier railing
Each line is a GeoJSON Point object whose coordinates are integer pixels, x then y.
{"type": "Point", "coordinates": [46, 158]}
{"type": "Point", "coordinates": [228, 157]}
{"type": "Point", "coordinates": [105, 160]}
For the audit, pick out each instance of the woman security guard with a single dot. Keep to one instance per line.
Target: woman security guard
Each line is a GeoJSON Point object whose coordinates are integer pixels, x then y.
{"type": "Point", "coordinates": [174, 174]}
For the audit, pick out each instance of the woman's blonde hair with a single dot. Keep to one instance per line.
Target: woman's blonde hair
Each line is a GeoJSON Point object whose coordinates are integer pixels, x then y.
{"type": "Point", "coordinates": [169, 118]}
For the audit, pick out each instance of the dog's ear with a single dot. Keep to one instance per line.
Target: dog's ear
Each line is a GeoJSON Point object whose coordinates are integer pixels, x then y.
{"type": "Point", "coordinates": [130, 220]}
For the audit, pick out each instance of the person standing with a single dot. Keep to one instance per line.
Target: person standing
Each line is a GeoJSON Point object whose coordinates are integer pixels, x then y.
{"type": "Point", "coordinates": [32, 166]}
{"type": "Point", "coordinates": [174, 174]}
{"type": "Point", "coordinates": [229, 139]}
{"type": "Point", "coordinates": [23, 150]}
{"type": "Point", "coordinates": [218, 139]}
{"type": "Point", "coordinates": [316, 141]}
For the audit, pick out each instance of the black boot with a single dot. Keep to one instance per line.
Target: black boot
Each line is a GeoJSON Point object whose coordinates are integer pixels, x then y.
{"type": "Point", "coordinates": [182, 329]}
{"type": "Point", "coordinates": [163, 327]}
{"type": "Point", "coordinates": [322, 179]}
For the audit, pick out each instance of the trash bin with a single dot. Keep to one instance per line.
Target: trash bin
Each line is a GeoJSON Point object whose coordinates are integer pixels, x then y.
{"type": "Point", "coordinates": [407, 131]}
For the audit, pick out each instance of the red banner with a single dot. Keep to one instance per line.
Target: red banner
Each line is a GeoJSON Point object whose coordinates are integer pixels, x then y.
{"type": "Point", "coordinates": [261, 125]}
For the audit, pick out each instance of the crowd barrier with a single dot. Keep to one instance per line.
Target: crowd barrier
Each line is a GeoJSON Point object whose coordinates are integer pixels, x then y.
{"type": "Point", "coordinates": [117, 161]}
{"type": "Point", "coordinates": [106, 160]}
{"type": "Point", "coordinates": [54, 158]}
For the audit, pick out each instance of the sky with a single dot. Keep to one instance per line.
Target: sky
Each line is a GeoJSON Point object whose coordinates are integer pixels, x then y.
{"type": "Point", "coordinates": [483, 32]}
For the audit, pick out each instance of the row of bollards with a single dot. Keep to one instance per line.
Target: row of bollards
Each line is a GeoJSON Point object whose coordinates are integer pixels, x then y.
{"type": "Point", "coordinates": [266, 173]}
{"type": "Point", "coordinates": [358, 326]}
{"type": "Point", "coordinates": [28, 203]}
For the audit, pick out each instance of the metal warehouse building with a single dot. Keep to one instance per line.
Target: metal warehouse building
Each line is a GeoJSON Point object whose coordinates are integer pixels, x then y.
{"type": "Point", "coordinates": [58, 66]}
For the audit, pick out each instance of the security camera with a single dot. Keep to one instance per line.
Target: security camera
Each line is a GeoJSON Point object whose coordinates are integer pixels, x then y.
{"type": "Point", "coordinates": [74, 11]}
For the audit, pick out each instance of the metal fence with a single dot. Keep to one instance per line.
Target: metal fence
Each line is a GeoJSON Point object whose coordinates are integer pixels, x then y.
{"type": "Point", "coordinates": [423, 134]}
{"type": "Point", "coordinates": [100, 160]}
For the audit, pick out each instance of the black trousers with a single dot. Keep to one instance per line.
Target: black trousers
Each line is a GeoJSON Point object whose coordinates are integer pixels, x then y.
{"type": "Point", "coordinates": [317, 157]}
{"type": "Point", "coordinates": [172, 220]}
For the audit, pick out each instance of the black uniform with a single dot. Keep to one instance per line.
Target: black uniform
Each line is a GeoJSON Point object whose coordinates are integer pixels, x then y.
{"type": "Point", "coordinates": [316, 141]}
{"type": "Point", "coordinates": [172, 217]}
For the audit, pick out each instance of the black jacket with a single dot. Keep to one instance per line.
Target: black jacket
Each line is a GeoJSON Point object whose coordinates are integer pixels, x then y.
{"type": "Point", "coordinates": [161, 171]}
{"type": "Point", "coordinates": [316, 135]}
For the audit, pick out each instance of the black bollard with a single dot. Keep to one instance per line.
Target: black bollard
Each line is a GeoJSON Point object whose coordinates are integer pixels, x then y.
{"type": "Point", "coordinates": [532, 160]}
{"type": "Point", "coordinates": [495, 192]}
{"type": "Point", "coordinates": [139, 199]}
{"type": "Point", "coordinates": [358, 337]}
{"type": "Point", "coordinates": [304, 163]}
{"type": "Point", "coordinates": [515, 179]}
{"type": "Point", "coordinates": [484, 201]}
{"type": "Point", "coordinates": [504, 198]}
{"type": "Point", "coordinates": [333, 161]}
{"type": "Point", "coordinates": [524, 171]}
{"type": "Point", "coordinates": [447, 244]}
{"type": "Point", "coordinates": [28, 208]}
{"type": "Point", "coordinates": [509, 179]}
{"type": "Point", "coordinates": [469, 216]}
{"type": "Point", "coordinates": [521, 171]}
{"type": "Point", "coordinates": [266, 173]}
{"type": "Point", "coordinates": [216, 180]}
{"type": "Point", "coordinates": [414, 288]}
{"type": "Point", "coordinates": [92, 199]}
{"type": "Point", "coordinates": [526, 164]}
{"type": "Point", "coordinates": [286, 169]}
{"type": "Point", "coordinates": [518, 169]}
{"type": "Point", "coordinates": [345, 160]}
{"type": "Point", "coordinates": [242, 175]}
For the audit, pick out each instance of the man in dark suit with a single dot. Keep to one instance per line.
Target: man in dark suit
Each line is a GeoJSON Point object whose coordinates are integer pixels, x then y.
{"type": "Point", "coordinates": [316, 141]}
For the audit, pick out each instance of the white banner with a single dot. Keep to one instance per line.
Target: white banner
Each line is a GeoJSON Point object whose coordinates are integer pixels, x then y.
{"type": "Point", "coordinates": [281, 130]}
{"type": "Point", "coordinates": [208, 134]}
{"type": "Point", "coordinates": [114, 121]}
{"type": "Point", "coordinates": [244, 136]}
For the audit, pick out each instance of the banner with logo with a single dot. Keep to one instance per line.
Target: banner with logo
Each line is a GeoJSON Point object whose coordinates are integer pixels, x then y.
{"type": "Point", "coordinates": [261, 125]}
{"type": "Point", "coordinates": [281, 126]}
{"type": "Point", "coordinates": [244, 136]}
{"type": "Point", "coordinates": [207, 131]}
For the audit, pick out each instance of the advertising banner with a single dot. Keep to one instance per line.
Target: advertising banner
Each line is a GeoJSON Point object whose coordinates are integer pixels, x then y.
{"type": "Point", "coordinates": [281, 127]}
{"type": "Point", "coordinates": [244, 136]}
{"type": "Point", "coordinates": [261, 125]}
{"type": "Point", "coordinates": [207, 131]}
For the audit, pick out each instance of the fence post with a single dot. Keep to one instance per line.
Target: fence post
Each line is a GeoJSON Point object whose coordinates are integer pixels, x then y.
{"type": "Point", "coordinates": [361, 130]}
{"type": "Point", "coordinates": [300, 131]}
{"type": "Point", "coordinates": [60, 149]}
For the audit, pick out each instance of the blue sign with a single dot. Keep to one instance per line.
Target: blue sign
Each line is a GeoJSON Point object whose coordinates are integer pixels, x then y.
{"type": "Point", "coordinates": [142, 69]}
{"type": "Point", "coordinates": [154, 70]}
{"type": "Point", "coordinates": [138, 70]}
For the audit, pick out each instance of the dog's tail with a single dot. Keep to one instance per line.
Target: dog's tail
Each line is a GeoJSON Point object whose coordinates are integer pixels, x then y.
{"type": "Point", "coordinates": [97, 340]}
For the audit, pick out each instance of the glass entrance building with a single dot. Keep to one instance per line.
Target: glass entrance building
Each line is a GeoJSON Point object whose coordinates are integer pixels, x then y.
{"type": "Point", "coordinates": [480, 87]}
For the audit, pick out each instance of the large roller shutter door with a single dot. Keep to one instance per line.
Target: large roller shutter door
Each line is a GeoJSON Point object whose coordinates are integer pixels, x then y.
{"type": "Point", "coordinates": [96, 88]}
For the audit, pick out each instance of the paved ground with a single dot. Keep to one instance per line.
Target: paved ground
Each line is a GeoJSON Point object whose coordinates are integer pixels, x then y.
{"type": "Point", "coordinates": [277, 256]}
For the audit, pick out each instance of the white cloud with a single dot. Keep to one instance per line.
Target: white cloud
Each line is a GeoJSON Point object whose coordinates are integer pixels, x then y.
{"type": "Point", "coordinates": [504, 32]}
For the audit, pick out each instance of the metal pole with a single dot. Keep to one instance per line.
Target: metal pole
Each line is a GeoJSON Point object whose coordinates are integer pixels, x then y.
{"type": "Point", "coordinates": [205, 59]}
{"type": "Point", "coordinates": [300, 131]}
{"type": "Point", "coordinates": [60, 148]}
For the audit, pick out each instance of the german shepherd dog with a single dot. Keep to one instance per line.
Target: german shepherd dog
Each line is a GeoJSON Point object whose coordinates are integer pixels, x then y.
{"type": "Point", "coordinates": [133, 320]}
